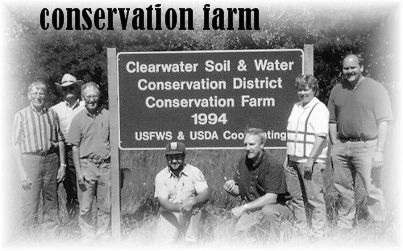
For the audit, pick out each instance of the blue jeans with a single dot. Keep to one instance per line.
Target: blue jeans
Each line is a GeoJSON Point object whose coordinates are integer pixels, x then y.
{"type": "Point", "coordinates": [315, 196]}
{"type": "Point", "coordinates": [42, 171]}
{"type": "Point", "coordinates": [100, 190]}
{"type": "Point", "coordinates": [348, 159]}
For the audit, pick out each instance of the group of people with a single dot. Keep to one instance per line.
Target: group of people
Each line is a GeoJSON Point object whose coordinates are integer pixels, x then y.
{"type": "Point", "coordinates": [69, 143]}
{"type": "Point", "coordinates": [275, 193]}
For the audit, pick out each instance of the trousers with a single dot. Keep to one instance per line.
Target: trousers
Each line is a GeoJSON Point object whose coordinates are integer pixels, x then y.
{"type": "Point", "coordinates": [315, 197]}
{"type": "Point", "coordinates": [99, 191]}
{"type": "Point", "coordinates": [70, 184]}
{"type": "Point", "coordinates": [172, 226]}
{"type": "Point", "coordinates": [42, 171]}
{"type": "Point", "coordinates": [271, 218]}
{"type": "Point", "coordinates": [349, 159]}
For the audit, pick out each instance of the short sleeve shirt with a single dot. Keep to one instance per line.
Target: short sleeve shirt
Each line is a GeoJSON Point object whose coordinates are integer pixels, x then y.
{"type": "Point", "coordinates": [67, 113]}
{"type": "Point", "coordinates": [90, 133]}
{"type": "Point", "coordinates": [304, 124]}
{"type": "Point", "coordinates": [190, 183]}
{"type": "Point", "coordinates": [358, 111]}
{"type": "Point", "coordinates": [266, 175]}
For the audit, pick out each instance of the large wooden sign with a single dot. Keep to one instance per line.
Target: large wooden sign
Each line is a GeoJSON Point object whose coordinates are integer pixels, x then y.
{"type": "Point", "coordinates": [205, 98]}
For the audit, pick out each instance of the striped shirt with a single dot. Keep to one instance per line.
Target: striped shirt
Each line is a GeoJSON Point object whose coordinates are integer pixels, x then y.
{"type": "Point", "coordinates": [304, 124]}
{"type": "Point", "coordinates": [35, 131]}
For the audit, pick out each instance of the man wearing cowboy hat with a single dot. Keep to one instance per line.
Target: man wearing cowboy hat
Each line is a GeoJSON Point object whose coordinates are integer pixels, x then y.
{"type": "Point", "coordinates": [66, 110]}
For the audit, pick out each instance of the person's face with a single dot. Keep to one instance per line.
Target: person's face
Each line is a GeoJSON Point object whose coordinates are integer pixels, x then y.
{"type": "Point", "coordinates": [91, 97]}
{"type": "Point", "coordinates": [37, 96]}
{"type": "Point", "coordinates": [352, 71]}
{"type": "Point", "coordinates": [175, 161]}
{"type": "Point", "coordinates": [253, 145]}
{"type": "Point", "coordinates": [305, 94]}
{"type": "Point", "coordinates": [70, 92]}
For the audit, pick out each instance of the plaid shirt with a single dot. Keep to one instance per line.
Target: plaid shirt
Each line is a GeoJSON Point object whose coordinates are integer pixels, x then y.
{"type": "Point", "coordinates": [35, 131]}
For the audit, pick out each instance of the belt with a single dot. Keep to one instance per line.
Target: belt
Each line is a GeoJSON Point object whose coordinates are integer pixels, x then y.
{"type": "Point", "coordinates": [42, 153]}
{"type": "Point", "coordinates": [355, 139]}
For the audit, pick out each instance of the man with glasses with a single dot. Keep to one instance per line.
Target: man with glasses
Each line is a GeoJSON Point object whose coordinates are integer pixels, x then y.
{"type": "Point", "coordinates": [89, 137]}
{"type": "Point", "coordinates": [181, 190]}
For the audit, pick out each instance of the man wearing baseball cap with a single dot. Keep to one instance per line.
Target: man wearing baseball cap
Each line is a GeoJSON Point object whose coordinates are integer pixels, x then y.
{"type": "Point", "coordinates": [66, 110]}
{"type": "Point", "coordinates": [181, 190]}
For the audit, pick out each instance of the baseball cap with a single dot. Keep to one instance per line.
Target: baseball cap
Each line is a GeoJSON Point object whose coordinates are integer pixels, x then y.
{"type": "Point", "coordinates": [175, 148]}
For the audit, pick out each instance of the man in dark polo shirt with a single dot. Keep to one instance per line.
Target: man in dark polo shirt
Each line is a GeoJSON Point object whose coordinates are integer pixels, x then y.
{"type": "Point", "coordinates": [260, 180]}
{"type": "Point", "coordinates": [89, 135]}
{"type": "Point", "coordinates": [359, 109]}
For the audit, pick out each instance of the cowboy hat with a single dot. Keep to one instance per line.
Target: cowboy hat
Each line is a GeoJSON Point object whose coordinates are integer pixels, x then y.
{"type": "Point", "coordinates": [68, 80]}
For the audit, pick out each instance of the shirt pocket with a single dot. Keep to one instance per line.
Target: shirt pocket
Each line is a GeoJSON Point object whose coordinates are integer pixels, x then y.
{"type": "Point", "coordinates": [188, 188]}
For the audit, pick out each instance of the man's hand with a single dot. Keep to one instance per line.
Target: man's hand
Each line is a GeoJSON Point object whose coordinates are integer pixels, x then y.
{"type": "Point", "coordinates": [238, 211]}
{"type": "Point", "coordinates": [80, 181]}
{"type": "Point", "coordinates": [188, 204]}
{"type": "Point", "coordinates": [230, 186]}
{"type": "Point", "coordinates": [26, 184]}
{"type": "Point", "coordinates": [308, 169]}
{"type": "Point", "coordinates": [61, 173]}
{"type": "Point", "coordinates": [377, 159]}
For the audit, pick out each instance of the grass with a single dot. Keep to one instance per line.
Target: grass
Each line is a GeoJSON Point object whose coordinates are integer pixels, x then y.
{"type": "Point", "coordinates": [139, 209]}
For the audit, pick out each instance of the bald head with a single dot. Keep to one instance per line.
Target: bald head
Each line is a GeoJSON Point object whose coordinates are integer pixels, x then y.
{"type": "Point", "coordinates": [352, 58]}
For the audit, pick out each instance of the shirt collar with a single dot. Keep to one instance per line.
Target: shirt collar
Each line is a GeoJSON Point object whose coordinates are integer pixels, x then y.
{"type": "Point", "coordinates": [310, 104]}
{"type": "Point", "coordinates": [183, 172]}
{"type": "Point", "coordinates": [259, 159]}
{"type": "Point", "coordinates": [255, 162]}
{"type": "Point", "coordinates": [44, 109]}
{"type": "Point", "coordinates": [359, 82]}
{"type": "Point", "coordinates": [75, 105]}
{"type": "Point", "coordinates": [96, 113]}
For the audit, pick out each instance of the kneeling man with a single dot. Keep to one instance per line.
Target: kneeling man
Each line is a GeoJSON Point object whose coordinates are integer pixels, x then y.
{"type": "Point", "coordinates": [260, 180]}
{"type": "Point", "coordinates": [181, 190]}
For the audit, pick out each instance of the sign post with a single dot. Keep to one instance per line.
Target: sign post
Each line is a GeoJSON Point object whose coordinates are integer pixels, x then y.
{"type": "Point", "coordinates": [308, 59]}
{"type": "Point", "coordinates": [113, 138]}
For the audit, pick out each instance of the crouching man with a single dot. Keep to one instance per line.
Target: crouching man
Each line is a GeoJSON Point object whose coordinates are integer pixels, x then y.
{"type": "Point", "coordinates": [260, 180]}
{"type": "Point", "coordinates": [181, 190]}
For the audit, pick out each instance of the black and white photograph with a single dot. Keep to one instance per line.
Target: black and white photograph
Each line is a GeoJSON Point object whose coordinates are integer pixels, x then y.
{"type": "Point", "coordinates": [201, 125]}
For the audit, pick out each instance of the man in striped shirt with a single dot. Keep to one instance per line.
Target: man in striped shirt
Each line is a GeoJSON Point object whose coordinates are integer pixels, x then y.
{"type": "Point", "coordinates": [36, 137]}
